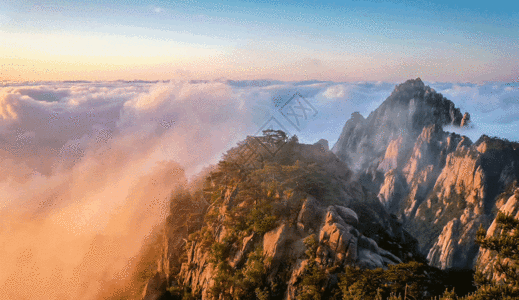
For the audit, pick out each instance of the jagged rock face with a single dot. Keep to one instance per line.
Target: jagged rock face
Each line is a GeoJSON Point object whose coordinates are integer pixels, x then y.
{"type": "Point", "coordinates": [411, 107]}
{"type": "Point", "coordinates": [340, 244]}
{"type": "Point", "coordinates": [185, 212]}
{"type": "Point", "coordinates": [339, 240]}
{"type": "Point", "coordinates": [186, 215]}
{"type": "Point", "coordinates": [392, 190]}
{"type": "Point", "coordinates": [198, 271]}
{"type": "Point", "coordinates": [274, 243]}
{"type": "Point", "coordinates": [425, 163]}
{"type": "Point", "coordinates": [348, 230]}
{"type": "Point", "coordinates": [440, 183]}
{"type": "Point", "coordinates": [466, 120]}
{"type": "Point", "coordinates": [463, 198]}
{"type": "Point", "coordinates": [487, 260]}
{"type": "Point", "coordinates": [455, 247]}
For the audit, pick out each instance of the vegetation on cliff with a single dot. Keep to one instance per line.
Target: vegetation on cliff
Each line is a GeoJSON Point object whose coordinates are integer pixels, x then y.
{"type": "Point", "coordinates": [504, 282]}
{"type": "Point", "coordinates": [263, 236]}
{"type": "Point", "coordinates": [284, 220]}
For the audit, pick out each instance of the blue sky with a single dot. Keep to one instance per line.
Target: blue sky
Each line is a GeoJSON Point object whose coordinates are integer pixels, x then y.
{"type": "Point", "coordinates": [339, 41]}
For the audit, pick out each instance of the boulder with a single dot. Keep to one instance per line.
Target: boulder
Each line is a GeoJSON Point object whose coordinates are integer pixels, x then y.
{"type": "Point", "coordinates": [274, 243]}
{"type": "Point", "coordinates": [348, 215]}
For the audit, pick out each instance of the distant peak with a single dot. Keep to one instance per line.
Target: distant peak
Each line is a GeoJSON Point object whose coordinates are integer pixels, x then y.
{"type": "Point", "coordinates": [410, 88]}
{"type": "Point", "coordinates": [417, 83]}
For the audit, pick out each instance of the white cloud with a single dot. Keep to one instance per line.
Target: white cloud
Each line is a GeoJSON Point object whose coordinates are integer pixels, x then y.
{"type": "Point", "coordinates": [494, 108]}
{"type": "Point", "coordinates": [71, 153]}
{"type": "Point", "coordinates": [336, 91]}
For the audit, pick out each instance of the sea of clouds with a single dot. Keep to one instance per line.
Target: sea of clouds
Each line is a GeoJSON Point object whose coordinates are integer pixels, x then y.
{"type": "Point", "coordinates": [86, 167]}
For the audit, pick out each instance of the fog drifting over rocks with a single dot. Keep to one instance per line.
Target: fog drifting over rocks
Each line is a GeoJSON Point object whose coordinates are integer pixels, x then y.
{"type": "Point", "coordinates": [87, 167]}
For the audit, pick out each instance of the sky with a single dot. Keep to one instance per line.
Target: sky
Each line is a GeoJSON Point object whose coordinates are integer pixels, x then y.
{"type": "Point", "coordinates": [102, 102]}
{"type": "Point", "coordinates": [454, 41]}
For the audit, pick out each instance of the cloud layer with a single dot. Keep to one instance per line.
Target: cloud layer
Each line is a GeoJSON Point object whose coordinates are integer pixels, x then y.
{"type": "Point", "coordinates": [86, 167]}
{"type": "Point", "coordinates": [494, 107]}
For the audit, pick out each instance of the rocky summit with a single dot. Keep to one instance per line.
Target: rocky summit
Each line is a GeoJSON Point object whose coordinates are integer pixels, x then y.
{"type": "Point", "coordinates": [395, 201]}
{"type": "Point", "coordinates": [441, 184]}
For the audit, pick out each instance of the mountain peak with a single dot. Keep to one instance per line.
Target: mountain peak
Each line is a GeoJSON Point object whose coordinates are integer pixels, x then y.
{"type": "Point", "coordinates": [414, 82]}
{"type": "Point", "coordinates": [411, 107]}
{"type": "Point", "coordinates": [433, 178]}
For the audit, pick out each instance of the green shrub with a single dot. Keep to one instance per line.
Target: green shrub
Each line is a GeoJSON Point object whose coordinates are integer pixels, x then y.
{"type": "Point", "coordinates": [505, 246]}
{"type": "Point", "coordinates": [313, 281]}
{"type": "Point", "coordinates": [261, 219]}
{"type": "Point", "coordinates": [414, 280]}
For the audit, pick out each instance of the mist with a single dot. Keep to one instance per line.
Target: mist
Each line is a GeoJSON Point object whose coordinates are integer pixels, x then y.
{"type": "Point", "coordinates": [87, 168]}
{"type": "Point", "coordinates": [493, 107]}
{"type": "Point", "coordinates": [87, 172]}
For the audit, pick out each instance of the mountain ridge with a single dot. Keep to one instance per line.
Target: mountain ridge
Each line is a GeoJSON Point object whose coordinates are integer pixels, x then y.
{"type": "Point", "coordinates": [427, 175]}
{"type": "Point", "coordinates": [395, 190]}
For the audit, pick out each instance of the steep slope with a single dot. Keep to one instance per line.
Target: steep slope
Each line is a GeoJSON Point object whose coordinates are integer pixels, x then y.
{"type": "Point", "coordinates": [441, 184]}
{"type": "Point", "coordinates": [402, 116]}
{"type": "Point", "coordinates": [509, 205]}
{"type": "Point", "coordinates": [185, 217]}
{"type": "Point", "coordinates": [268, 225]}
{"type": "Point", "coordinates": [465, 195]}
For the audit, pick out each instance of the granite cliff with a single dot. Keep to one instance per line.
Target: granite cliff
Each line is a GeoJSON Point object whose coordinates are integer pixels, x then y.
{"type": "Point", "coordinates": [263, 226]}
{"type": "Point", "coordinates": [395, 189]}
{"type": "Point", "coordinates": [441, 184]}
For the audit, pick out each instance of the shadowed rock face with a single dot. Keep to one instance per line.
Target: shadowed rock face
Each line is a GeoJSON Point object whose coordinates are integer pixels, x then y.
{"type": "Point", "coordinates": [440, 183]}
{"type": "Point", "coordinates": [487, 260]}
{"type": "Point", "coordinates": [465, 193]}
{"type": "Point", "coordinates": [339, 227]}
{"type": "Point", "coordinates": [185, 216]}
{"type": "Point", "coordinates": [349, 226]}
{"type": "Point", "coordinates": [411, 107]}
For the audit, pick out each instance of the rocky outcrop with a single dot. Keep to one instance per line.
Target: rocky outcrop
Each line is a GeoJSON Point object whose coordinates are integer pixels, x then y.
{"type": "Point", "coordinates": [340, 244]}
{"type": "Point", "coordinates": [345, 230]}
{"type": "Point", "coordinates": [392, 190]}
{"type": "Point", "coordinates": [441, 184]}
{"type": "Point", "coordinates": [465, 197]}
{"type": "Point", "coordinates": [198, 272]}
{"type": "Point", "coordinates": [339, 240]}
{"type": "Point", "coordinates": [466, 120]}
{"type": "Point", "coordinates": [310, 211]}
{"type": "Point", "coordinates": [186, 215]}
{"type": "Point", "coordinates": [411, 107]}
{"type": "Point", "coordinates": [455, 247]}
{"type": "Point", "coordinates": [274, 243]}
{"type": "Point", "coordinates": [487, 260]}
